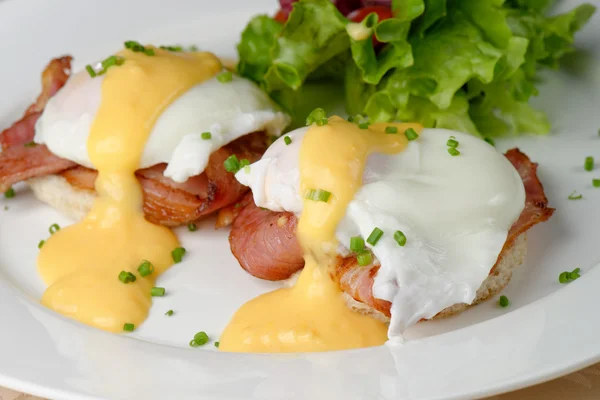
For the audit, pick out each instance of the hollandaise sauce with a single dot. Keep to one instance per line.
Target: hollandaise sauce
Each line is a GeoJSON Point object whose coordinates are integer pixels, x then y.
{"type": "Point", "coordinates": [81, 264]}
{"type": "Point", "coordinates": [312, 315]}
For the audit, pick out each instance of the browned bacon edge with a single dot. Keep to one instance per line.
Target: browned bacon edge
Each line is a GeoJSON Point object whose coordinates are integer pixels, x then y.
{"type": "Point", "coordinates": [264, 241]}
{"type": "Point", "coordinates": [165, 201]}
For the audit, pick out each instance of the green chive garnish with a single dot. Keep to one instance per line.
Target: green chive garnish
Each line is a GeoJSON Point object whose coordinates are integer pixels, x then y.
{"type": "Point", "coordinates": [206, 135]}
{"type": "Point", "coordinates": [138, 48]}
{"type": "Point", "coordinates": [490, 141]}
{"type": "Point", "coordinates": [126, 277]}
{"type": "Point", "coordinates": [200, 339]}
{"type": "Point", "coordinates": [90, 71]}
{"type": "Point", "coordinates": [169, 313]}
{"type": "Point", "coordinates": [232, 164]}
{"type": "Point", "coordinates": [411, 134]}
{"type": "Point", "coordinates": [375, 236]}
{"type": "Point", "coordinates": [217, 345]}
{"type": "Point", "coordinates": [317, 115]}
{"type": "Point", "coordinates": [157, 292]}
{"type": "Point", "coordinates": [192, 227]}
{"type": "Point", "coordinates": [364, 125]}
{"type": "Point", "coordinates": [128, 327]}
{"type": "Point", "coordinates": [365, 258]}
{"type": "Point", "coordinates": [30, 144]}
{"type": "Point", "coordinates": [318, 195]}
{"type": "Point", "coordinates": [391, 129]}
{"type": "Point", "coordinates": [146, 268]}
{"type": "Point", "coordinates": [10, 193]}
{"type": "Point", "coordinates": [453, 152]}
{"type": "Point", "coordinates": [503, 302]}
{"type": "Point", "coordinates": [172, 48]}
{"type": "Point", "coordinates": [452, 143]}
{"type": "Point", "coordinates": [244, 162]}
{"type": "Point", "coordinates": [588, 165]}
{"type": "Point", "coordinates": [400, 238]}
{"type": "Point", "coordinates": [350, 118]}
{"type": "Point", "coordinates": [566, 277]}
{"type": "Point", "coordinates": [53, 229]}
{"type": "Point", "coordinates": [596, 183]}
{"type": "Point", "coordinates": [287, 140]}
{"type": "Point", "coordinates": [178, 254]}
{"type": "Point", "coordinates": [357, 244]}
{"type": "Point", "coordinates": [575, 196]}
{"type": "Point", "coordinates": [225, 77]}
{"type": "Point", "coordinates": [41, 244]}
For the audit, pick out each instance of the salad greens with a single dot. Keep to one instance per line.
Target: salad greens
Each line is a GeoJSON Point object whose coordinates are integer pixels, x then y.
{"type": "Point", "coordinates": [469, 65]}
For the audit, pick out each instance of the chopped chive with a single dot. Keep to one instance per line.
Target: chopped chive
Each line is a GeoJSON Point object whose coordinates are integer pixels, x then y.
{"type": "Point", "coordinates": [247, 169]}
{"type": "Point", "coordinates": [193, 343]}
{"type": "Point", "coordinates": [138, 48]}
{"type": "Point", "coordinates": [30, 144]}
{"type": "Point", "coordinates": [503, 301]}
{"type": "Point", "coordinates": [149, 52]}
{"type": "Point", "coordinates": [391, 129]}
{"type": "Point", "coordinates": [400, 238]}
{"type": "Point", "coordinates": [90, 71]}
{"type": "Point", "coordinates": [157, 292]}
{"type": "Point", "coordinates": [287, 140]}
{"type": "Point", "coordinates": [232, 164]}
{"type": "Point", "coordinates": [126, 277]}
{"type": "Point", "coordinates": [490, 141]}
{"type": "Point", "coordinates": [411, 134]}
{"type": "Point", "coordinates": [575, 196]}
{"type": "Point", "coordinates": [588, 165]}
{"type": "Point", "coordinates": [244, 162]}
{"type": "Point", "coordinates": [169, 313]}
{"type": "Point", "coordinates": [452, 143]}
{"type": "Point", "coordinates": [350, 118]}
{"type": "Point", "coordinates": [375, 236]}
{"type": "Point", "coordinates": [322, 122]}
{"type": "Point", "coordinates": [201, 338]}
{"type": "Point", "coordinates": [41, 244]}
{"type": "Point", "coordinates": [128, 327]}
{"type": "Point", "coordinates": [192, 227]}
{"type": "Point", "coordinates": [316, 115]}
{"type": "Point", "coordinates": [365, 258]}
{"type": "Point", "coordinates": [172, 48]}
{"type": "Point", "coordinates": [217, 345]}
{"type": "Point", "coordinates": [194, 48]}
{"type": "Point", "coordinates": [10, 193]}
{"type": "Point", "coordinates": [206, 135]}
{"type": "Point", "coordinates": [364, 125]}
{"type": "Point", "coordinates": [146, 268]}
{"type": "Point", "coordinates": [318, 195]}
{"type": "Point", "coordinates": [357, 244]}
{"type": "Point", "coordinates": [225, 77]}
{"type": "Point", "coordinates": [53, 229]}
{"type": "Point", "coordinates": [566, 276]}
{"type": "Point", "coordinates": [453, 152]}
{"type": "Point", "coordinates": [596, 183]}
{"type": "Point", "coordinates": [178, 254]}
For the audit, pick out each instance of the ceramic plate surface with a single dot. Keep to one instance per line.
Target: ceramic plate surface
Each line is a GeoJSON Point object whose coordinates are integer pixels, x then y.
{"type": "Point", "coordinates": [550, 329]}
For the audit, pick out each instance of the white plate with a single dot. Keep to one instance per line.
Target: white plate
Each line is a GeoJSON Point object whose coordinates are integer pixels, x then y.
{"type": "Point", "coordinates": [549, 330]}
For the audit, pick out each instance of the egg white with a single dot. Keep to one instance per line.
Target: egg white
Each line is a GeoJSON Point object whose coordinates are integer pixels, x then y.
{"type": "Point", "coordinates": [226, 110]}
{"type": "Point", "coordinates": [455, 212]}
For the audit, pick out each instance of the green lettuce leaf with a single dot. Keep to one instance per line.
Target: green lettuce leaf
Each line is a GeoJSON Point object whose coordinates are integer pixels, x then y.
{"type": "Point", "coordinates": [255, 47]}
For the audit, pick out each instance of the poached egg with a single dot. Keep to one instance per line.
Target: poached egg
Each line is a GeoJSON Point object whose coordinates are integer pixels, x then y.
{"type": "Point", "coordinates": [455, 212]}
{"type": "Point", "coordinates": [226, 110]}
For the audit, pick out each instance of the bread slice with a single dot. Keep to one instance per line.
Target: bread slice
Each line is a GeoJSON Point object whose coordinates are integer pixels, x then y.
{"type": "Point", "coordinates": [55, 191]}
{"type": "Point", "coordinates": [492, 285]}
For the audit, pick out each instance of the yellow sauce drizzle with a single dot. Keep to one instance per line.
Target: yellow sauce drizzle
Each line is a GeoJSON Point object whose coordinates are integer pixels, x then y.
{"type": "Point", "coordinates": [312, 315]}
{"type": "Point", "coordinates": [81, 263]}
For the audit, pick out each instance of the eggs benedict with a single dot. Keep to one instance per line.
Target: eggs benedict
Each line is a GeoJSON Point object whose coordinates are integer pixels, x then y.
{"type": "Point", "coordinates": [129, 143]}
{"type": "Point", "coordinates": [181, 168]}
{"type": "Point", "coordinates": [397, 222]}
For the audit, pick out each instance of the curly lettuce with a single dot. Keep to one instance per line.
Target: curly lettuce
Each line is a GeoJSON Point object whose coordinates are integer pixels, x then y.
{"type": "Point", "coordinates": [469, 65]}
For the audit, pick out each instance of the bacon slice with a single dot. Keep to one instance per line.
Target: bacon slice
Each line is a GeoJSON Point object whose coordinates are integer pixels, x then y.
{"type": "Point", "coordinates": [264, 242]}
{"type": "Point", "coordinates": [53, 78]}
{"type": "Point", "coordinates": [255, 240]}
{"type": "Point", "coordinates": [170, 203]}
